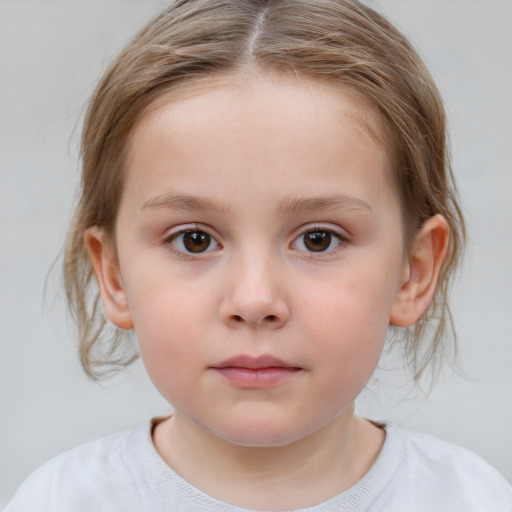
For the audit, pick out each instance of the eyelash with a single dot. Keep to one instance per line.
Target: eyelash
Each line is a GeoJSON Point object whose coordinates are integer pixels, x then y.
{"type": "Point", "coordinates": [168, 241]}
{"type": "Point", "coordinates": [342, 241]}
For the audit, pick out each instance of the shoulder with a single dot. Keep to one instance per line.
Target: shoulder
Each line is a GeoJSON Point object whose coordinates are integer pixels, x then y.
{"type": "Point", "coordinates": [441, 473]}
{"type": "Point", "coordinates": [91, 477]}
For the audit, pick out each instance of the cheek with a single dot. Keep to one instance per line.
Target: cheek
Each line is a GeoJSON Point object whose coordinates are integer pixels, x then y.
{"type": "Point", "coordinates": [348, 319]}
{"type": "Point", "coordinates": [170, 323]}
{"type": "Point", "coordinates": [348, 345]}
{"type": "Point", "coordinates": [165, 306]}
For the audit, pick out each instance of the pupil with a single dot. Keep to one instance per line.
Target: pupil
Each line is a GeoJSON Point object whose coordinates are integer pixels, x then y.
{"type": "Point", "coordinates": [317, 241]}
{"type": "Point", "coordinates": [196, 241]}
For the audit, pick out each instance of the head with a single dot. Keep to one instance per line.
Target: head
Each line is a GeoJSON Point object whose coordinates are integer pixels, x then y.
{"type": "Point", "coordinates": [198, 45]}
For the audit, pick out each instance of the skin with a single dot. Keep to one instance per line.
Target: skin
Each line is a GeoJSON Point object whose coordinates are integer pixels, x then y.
{"type": "Point", "coordinates": [245, 163]}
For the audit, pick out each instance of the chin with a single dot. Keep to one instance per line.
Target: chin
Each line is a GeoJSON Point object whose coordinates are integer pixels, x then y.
{"type": "Point", "coordinates": [260, 440]}
{"type": "Point", "coordinates": [260, 434]}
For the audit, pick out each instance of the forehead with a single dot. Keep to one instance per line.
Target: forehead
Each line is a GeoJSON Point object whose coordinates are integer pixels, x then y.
{"type": "Point", "coordinates": [260, 88]}
{"type": "Point", "coordinates": [297, 131]}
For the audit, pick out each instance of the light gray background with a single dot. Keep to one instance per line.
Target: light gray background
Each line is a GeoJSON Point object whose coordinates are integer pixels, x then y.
{"type": "Point", "coordinates": [51, 54]}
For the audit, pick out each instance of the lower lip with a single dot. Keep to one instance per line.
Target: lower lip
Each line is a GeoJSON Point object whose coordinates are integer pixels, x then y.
{"type": "Point", "coordinates": [257, 378]}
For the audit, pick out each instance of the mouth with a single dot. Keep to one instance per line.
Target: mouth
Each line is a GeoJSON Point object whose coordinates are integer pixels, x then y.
{"type": "Point", "coordinates": [255, 372]}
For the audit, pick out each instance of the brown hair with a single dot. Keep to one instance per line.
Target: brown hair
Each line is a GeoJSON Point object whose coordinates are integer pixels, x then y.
{"type": "Point", "coordinates": [340, 41]}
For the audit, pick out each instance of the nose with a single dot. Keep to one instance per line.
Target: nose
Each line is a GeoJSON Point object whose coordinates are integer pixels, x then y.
{"type": "Point", "coordinates": [254, 297]}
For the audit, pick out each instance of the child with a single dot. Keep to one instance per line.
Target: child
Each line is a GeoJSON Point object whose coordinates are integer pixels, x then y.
{"type": "Point", "coordinates": [265, 192]}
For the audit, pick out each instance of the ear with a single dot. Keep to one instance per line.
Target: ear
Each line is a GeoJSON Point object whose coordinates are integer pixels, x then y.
{"type": "Point", "coordinates": [421, 272]}
{"type": "Point", "coordinates": [104, 260]}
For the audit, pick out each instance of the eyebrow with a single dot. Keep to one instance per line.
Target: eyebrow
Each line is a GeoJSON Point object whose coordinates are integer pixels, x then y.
{"type": "Point", "coordinates": [184, 202]}
{"type": "Point", "coordinates": [334, 202]}
{"type": "Point", "coordinates": [289, 205]}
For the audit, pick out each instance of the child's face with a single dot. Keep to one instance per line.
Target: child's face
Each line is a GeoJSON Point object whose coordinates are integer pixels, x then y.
{"type": "Point", "coordinates": [258, 220]}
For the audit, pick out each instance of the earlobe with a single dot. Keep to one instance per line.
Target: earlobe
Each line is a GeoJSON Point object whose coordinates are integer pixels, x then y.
{"type": "Point", "coordinates": [106, 267]}
{"type": "Point", "coordinates": [421, 273]}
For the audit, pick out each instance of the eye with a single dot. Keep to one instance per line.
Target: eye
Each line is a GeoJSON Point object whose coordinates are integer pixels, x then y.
{"type": "Point", "coordinates": [192, 241]}
{"type": "Point", "coordinates": [318, 241]}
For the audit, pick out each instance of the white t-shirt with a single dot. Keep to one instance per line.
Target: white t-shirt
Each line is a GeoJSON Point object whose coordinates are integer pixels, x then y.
{"type": "Point", "coordinates": [124, 473]}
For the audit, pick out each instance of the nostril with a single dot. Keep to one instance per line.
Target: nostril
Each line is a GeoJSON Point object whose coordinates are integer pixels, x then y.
{"type": "Point", "coordinates": [268, 318]}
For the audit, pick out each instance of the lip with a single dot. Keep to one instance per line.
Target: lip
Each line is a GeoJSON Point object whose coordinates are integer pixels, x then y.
{"type": "Point", "coordinates": [254, 363]}
{"type": "Point", "coordinates": [250, 372]}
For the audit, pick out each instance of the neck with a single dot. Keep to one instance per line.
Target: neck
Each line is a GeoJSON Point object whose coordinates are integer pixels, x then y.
{"type": "Point", "coordinates": [296, 475]}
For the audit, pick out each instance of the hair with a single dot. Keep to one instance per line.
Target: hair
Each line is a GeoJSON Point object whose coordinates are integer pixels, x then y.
{"type": "Point", "coordinates": [342, 42]}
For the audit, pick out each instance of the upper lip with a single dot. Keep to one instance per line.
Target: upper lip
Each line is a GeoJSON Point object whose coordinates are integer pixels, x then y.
{"type": "Point", "coordinates": [254, 363]}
